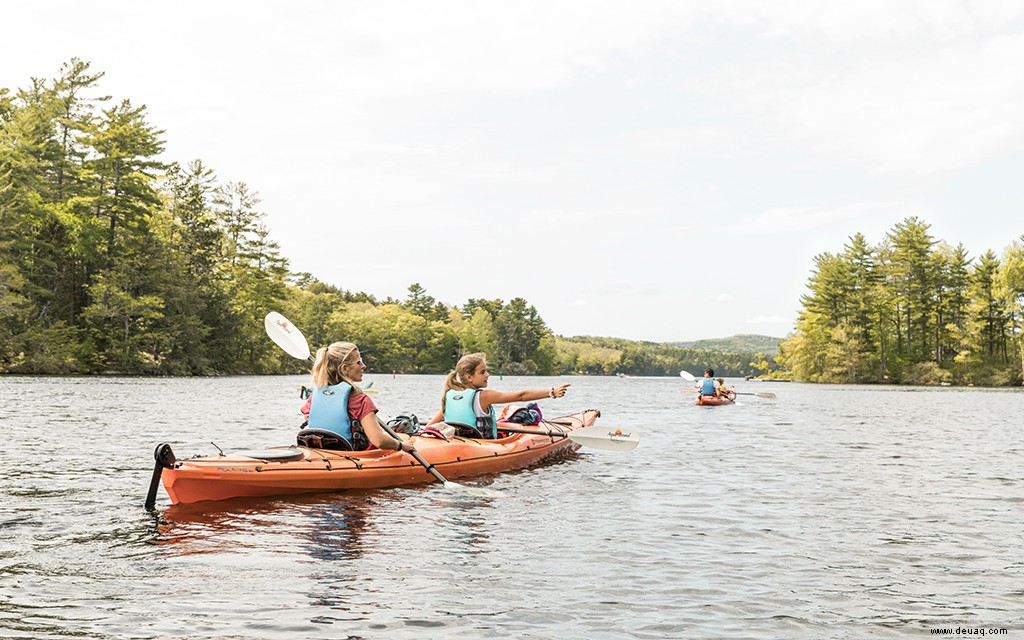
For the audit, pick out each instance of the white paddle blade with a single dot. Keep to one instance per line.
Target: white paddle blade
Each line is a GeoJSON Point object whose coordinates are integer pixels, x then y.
{"type": "Point", "coordinates": [686, 375]}
{"type": "Point", "coordinates": [607, 438]}
{"type": "Point", "coordinates": [763, 394]}
{"type": "Point", "coordinates": [285, 335]}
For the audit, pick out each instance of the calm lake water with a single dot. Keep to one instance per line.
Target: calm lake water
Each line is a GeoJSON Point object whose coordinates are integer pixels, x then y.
{"type": "Point", "coordinates": [829, 512]}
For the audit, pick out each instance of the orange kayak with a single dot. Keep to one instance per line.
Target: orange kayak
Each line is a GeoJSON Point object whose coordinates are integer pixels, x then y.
{"type": "Point", "coordinates": [293, 470]}
{"type": "Point", "coordinates": [716, 401]}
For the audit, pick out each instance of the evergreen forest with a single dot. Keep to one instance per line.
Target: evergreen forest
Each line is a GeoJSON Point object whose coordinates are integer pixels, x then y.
{"type": "Point", "coordinates": [115, 260]}
{"type": "Point", "coordinates": [911, 309]}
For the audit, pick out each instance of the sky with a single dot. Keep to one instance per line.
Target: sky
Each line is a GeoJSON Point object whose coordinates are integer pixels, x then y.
{"type": "Point", "coordinates": [661, 171]}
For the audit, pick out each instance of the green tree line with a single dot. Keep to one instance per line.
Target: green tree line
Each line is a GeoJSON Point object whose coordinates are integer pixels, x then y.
{"type": "Point", "coordinates": [911, 309]}
{"type": "Point", "coordinates": [110, 259]}
{"type": "Point", "coordinates": [113, 260]}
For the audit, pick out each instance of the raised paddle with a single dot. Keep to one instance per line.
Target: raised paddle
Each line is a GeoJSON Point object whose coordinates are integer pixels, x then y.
{"type": "Point", "coordinates": [288, 337]}
{"type": "Point", "coordinates": [595, 437]}
{"type": "Point", "coordinates": [765, 394]}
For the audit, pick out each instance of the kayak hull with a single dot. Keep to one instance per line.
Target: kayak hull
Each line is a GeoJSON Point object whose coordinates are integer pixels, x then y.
{"type": "Point", "coordinates": [716, 401]}
{"type": "Point", "coordinates": [235, 475]}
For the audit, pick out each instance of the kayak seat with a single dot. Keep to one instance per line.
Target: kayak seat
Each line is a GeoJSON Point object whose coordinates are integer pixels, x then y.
{"type": "Point", "coordinates": [464, 430]}
{"type": "Point", "coordinates": [322, 439]}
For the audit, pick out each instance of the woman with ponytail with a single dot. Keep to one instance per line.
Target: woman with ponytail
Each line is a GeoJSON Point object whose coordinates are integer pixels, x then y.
{"type": "Point", "coordinates": [465, 399]}
{"type": "Point", "coordinates": [338, 406]}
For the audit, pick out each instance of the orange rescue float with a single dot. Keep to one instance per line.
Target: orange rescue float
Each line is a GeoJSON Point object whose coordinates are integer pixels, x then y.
{"type": "Point", "coordinates": [295, 470]}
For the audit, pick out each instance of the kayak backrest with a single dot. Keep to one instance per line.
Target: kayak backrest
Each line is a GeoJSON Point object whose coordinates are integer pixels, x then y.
{"type": "Point", "coordinates": [322, 439]}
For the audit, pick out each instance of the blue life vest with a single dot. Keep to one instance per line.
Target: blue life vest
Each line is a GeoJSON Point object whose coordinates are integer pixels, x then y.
{"type": "Point", "coordinates": [707, 387]}
{"type": "Point", "coordinates": [329, 409]}
{"type": "Point", "coordinates": [458, 407]}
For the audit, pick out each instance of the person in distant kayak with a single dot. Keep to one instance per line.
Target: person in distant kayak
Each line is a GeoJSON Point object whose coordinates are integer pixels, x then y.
{"type": "Point", "coordinates": [466, 400]}
{"type": "Point", "coordinates": [708, 386]}
{"type": "Point", "coordinates": [724, 391]}
{"type": "Point", "coordinates": [338, 406]}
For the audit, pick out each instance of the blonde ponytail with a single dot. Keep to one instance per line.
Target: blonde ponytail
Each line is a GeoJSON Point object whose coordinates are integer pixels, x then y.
{"type": "Point", "coordinates": [327, 367]}
{"type": "Point", "coordinates": [465, 367]}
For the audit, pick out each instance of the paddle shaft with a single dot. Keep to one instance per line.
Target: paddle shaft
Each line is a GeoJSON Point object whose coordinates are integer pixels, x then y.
{"type": "Point", "coordinates": [154, 484]}
{"type": "Point", "coordinates": [593, 436]}
{"type": "Point", "coordinates": [416, 454]}
{"type": "Point", "coordinates": [538, 432]}
{"type": "Point", "coordinates": [686, 375]}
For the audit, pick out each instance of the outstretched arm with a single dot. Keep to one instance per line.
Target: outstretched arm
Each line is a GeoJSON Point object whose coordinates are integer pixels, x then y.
{"type": "Point", "coordinates": [438, 417]}
{"type": "Point", "coordinates": [487, 397]}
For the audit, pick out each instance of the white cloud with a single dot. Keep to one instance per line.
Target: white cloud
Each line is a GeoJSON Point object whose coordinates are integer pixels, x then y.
{"type": "Point", "coordinates": [499, 48]}
{"type": "Point", "coordinates": [901, 87]}
{"type": "Point", "coordinates": [770, 320]}
{"type": "Point", "coordinates": [797, 219]}
{"type": "Point", "coordinates": [622, 288]}
{"type": "Point", "coordinates": [666, 140]}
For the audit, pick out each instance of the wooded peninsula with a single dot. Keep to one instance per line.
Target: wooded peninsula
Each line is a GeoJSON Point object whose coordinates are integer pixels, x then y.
{"type": "Point", "coordinates": [115, 261]}
{"type": "Point", "coordinates": [911, 310]}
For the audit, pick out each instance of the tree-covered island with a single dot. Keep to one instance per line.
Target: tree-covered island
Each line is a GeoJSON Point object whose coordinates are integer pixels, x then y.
{"type": "Point", "coordinates": [911, 309]}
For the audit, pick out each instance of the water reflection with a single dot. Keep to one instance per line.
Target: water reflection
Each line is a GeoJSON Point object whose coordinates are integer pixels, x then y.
{"type": "Point", "coordinates": [338, 528]}
{"type": "Point", "coordinates": [336, 538]}
{"type": "Point", "coordinates": [326, 527]}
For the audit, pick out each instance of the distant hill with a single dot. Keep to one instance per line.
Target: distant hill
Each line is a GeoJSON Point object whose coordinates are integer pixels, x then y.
{"type": "Point", "coordinates": [730, 357]}
{"type": "Point", "coordinates": [742, 343]}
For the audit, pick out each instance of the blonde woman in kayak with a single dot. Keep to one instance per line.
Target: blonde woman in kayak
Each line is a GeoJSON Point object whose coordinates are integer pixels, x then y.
{"type": "Point", "coordinates": [466, 399]}
{"type": "Point", "coordinates": [338, 405]}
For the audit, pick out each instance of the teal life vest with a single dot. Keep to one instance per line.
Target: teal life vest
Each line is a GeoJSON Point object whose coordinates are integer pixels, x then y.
{"type": "Point", "coordinates": [329, 409]}
{"type": "Point", "coordinates": [458, 407]}
{"type": "Point", "coordinates": [707, 387]}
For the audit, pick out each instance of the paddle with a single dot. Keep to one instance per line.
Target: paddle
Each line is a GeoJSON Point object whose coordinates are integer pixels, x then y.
{"type": "Point", "coordinates": [594, 436]}
{"type": "Point", "coordinates": [765, 394]}
{"type": "Point", "coordinates": [288, 337]}
{"type": "Point", "coordinates": [416, 454]}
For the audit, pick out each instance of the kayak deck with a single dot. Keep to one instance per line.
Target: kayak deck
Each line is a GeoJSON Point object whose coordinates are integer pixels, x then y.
{"type": "Point", "coordinates": [293, 470]}
{"type": "Point", "coordinates": [716, 401]}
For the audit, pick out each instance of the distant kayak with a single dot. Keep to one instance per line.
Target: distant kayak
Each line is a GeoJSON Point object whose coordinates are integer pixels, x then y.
{"type": "Point", "coordinates": [716, 401]}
